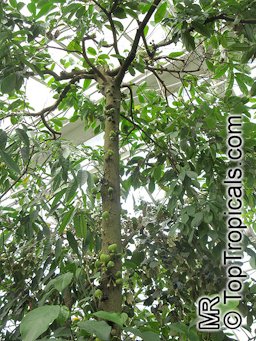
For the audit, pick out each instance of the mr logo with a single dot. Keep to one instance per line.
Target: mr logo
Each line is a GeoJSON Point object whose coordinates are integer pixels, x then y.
{"type": "Point", "coordinates": [209, 318]}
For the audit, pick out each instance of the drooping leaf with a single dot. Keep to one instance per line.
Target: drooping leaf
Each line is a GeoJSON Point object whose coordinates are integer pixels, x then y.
{"type": "Point", "coordinates": [7, 159]}
{"type": "Point", "coordinates": [60, 282]}
{"type": "Point", "coordinates": [23, 136]}
{"type": "Point", "coordinates": [117, 318]}
{"type": "Point", "coordinates": [67, 217]}
{"type": "Point", "coordinates": [188, 41]}
{"type": "Point", "coordinates": [197, 219]}
{"type": "Point", "coordinates": [71, 191]}
{"type": "Point", "coordinates": [160, 12]}
{"type": "Point", "coordinates": [37, 321]}
{"type": "Point", "coordinates": [99, 328]}
{"type": "Point", "coordinates": [3, 139]}
{"type": "Point", "coordinates": [82, 176]}
{"type": "Point", "coordinates": [8, 84]}
{"type": "Point", "coordinates": [72, 242]}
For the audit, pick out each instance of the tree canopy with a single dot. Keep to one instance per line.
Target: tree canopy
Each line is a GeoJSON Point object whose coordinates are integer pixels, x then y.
{"type": "Point", "coordinates": [160, 79]}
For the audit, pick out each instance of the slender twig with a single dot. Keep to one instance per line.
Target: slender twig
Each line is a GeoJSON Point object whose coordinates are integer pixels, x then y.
{"type": "Point", "coordinates": [149, 52]}
{"type": "Point", "coordinates": [94, 68]}
{"type": "Point", "coordinates": [65, 75]}
{"type": "Point", "coordinates": [225, 17]}
{"type": "Point", "coordinates": [151, 139]}
{"type": "Point", "coordinates": [136, 40]}
{"type": "Point", "coordinates": [21, 175]}
{"type": "Point", "coordinates": [165, 69]}
{"type": "Point", "coordinates": [63, 49]}
{"type": "Point", "coordinates": [54, 132]}
{"type": "Point", "coordinates": [52, 107]}
{"type": "Point", "coordinates": [112, 25]}
{"type": "Point", "coordinates": [131, 97]}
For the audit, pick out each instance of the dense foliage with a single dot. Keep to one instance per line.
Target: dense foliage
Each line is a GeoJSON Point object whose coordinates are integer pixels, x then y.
{"type": "Point", "coordinates": [173, 146]}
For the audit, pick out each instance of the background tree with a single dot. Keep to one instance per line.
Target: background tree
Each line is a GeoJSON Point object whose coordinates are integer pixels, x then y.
{"type": "Point", "coordinates": [73, 262]}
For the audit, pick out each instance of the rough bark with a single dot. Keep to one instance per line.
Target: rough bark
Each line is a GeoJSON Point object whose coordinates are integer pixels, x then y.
{"type": "Point", "coordinates": [110, 193]}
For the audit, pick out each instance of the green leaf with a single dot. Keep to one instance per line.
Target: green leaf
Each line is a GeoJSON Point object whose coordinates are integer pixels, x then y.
{"type": "Point", "coordinates": [63, 315]}
{"type": "Point", "coordinates": [250, 53]}
{"type": "Point", "coordinates": [229, 306]}
{"type": "Point", "coordinates": [253, 89]}
{"type": "Point", "coordinates": [8, 84]}
{"type": "Point", "coordinates": [82, 176]}
{"type": "Point", "coordinates": [32, 8]}
{"type": "Point", "coordinates": [72, 242]}
{"type": "Point", "coordinates": [24, 154]}
{"type": "Point", "coordinates": [138, 257]}
{"type": "Point", "coordinates": [160, 13]}
{"type": "Point", "coordinates": [119, 319]}
{"type": "Point", "coordinates": [201, 28]}
{"type": "Point", "coordinates": [176, 54]}
{"type": "Point", "coordinates": [197, 219]}
{"type": "Point", "coordinates": [80, 225]}
{"type": "Point", "coordinates": [119, 13]}
{"type": "Point", "coordinates": [57, 198]}
{"type": "Point", "coordinates": [150, 336]}
{"type": "Point", "coordinates": [71, 191]}
{"type": "Point", "coordinates": [3, 139]}
{"type": "Point", "coordinates": [188, 41]}
{"type": "Point", "coordinates": [193, 336]}
{"type": "Point", "coordinates": [99, 328]}
{"type": "Point", "coordinates": [60, 282]}
{"type": "Point", "coordinates": [146, 335]}
{"type": "Point", "coordinates": [87, 83]}
{"type": "Point", "coordinates": [242, 85]}
{"type": "Point", "coordinates": [66, 219]}
{"type": "Point", "coordinates": [178, 328]}
{"type": "Point", "coordinates": [220, 71]}
{"type": "Point", "coordinates": [10, 163]}
{"type": "Point", "coordinates": [191, 174]}
{"type": "Point", "coordinates": [23, 136]}
{"type": "Point", "coordinates": [45, 9]}
{"type": "Point", "coordinates": [92, 51]}
{"type": "Point", "coordinates": [37, 321]}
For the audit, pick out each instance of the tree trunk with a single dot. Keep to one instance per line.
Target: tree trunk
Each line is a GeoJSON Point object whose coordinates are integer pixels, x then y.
{"type": "Point", "coordinates": [110, 193]}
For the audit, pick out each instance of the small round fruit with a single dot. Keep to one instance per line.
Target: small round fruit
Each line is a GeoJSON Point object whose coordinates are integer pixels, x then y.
{"type": "Point", "coordinates": [118, 274]}
{"type": "Point", "coordinates": [98, 293]}
{"type": "Point", "coordinates": [110, 264]}
{"type": "Point", "coordinates": [105, 215]}
{"type": "Point", "coordinates": [98, 263]}
{"type": "Point", "coordinates": [112, 248]}
{"type": "Point", "coordinates": [104, 258]}
{"type": "Point", "coordinates": [119, 281]}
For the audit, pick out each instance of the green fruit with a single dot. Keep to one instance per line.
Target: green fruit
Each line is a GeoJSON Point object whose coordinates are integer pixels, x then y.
{"type": "Point", "coordinates": [110, 264]}
{"type": "Point", "coordinates": [119, 281]}
{"type": "Point", "coordinates": [118, 274]}
{"type": "Point", "coordinates": [105, 215]}
{"type": "Point", "coordinates": [104, 258]}
{"type": "Point", "coordinates": [112, 248]}
{"type": "Point", "coordinates": [98, 263]}
{"type": "Point", "coordinates": [98, 293]}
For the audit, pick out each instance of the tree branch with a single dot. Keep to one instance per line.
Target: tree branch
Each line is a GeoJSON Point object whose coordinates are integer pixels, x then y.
{"type": "Point", "coordinates": [131, 97]}
{"type": "Point", "coordinates": [135, 44]}
{"type": "Point", "coordinates": [52, 107]}
{"type": "Point", "coordinates": [63, 49]}
{"type": "Point", "coordinates": [112, 25]}
{"type": "Point", "coordinates": [227, 18]}
{"type": "Point", "coordinates": [54, 133]}
{"type": "Point", "coordinates": [94, 68]}
{"type": "Point", "coordinates": [65, 75]}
